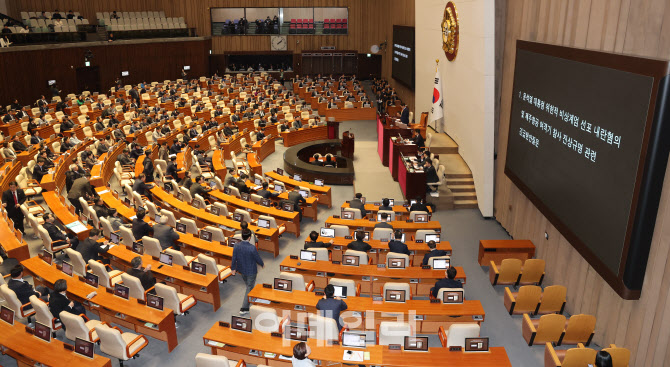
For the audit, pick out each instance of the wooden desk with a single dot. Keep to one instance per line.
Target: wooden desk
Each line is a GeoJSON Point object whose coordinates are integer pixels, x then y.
{"type": "Point", "coordinates": [28, 350]}
{"type": "Point", "coordinates": [368, 225]}
{"type": "Point", "coordinates": [304, 135]}
{"type": "Point", "coordinates": [395, 150]}
{"type": "Point", "coordinates": [53, 201]}
{"type": "Point", "coordinates": [219, 163]}
{"type": "Point", "coordinates": [381, 249]}
{"type": "Point", "coordinates": [324, 193]}
{"type": "Point", "coordinates": [10, 129]}
{"type": "Point", "coordinates": [234, 144]}
{"type": "Point", "coordinates": [363, 313]}
{"type": "Point", "coordinates": [348, 114]}
{"type": "Point", "coordinates": [264, 148]}
{"type": "Point", "coordinates": [412, 183]}
{"type": "Point", "coordinates": [401, 212]}
{"type": "Point", "coordinates": [384, 134]}
{"type": "Point", "coordinates": [204, 288]}
{"type": "Point", "coordinates": [110, 308]}
{"type": "Point", "coordinates": [309, 209]}
{"type": "Point", "coordinates": [254, 164]}
{"type": "Point", "coordinates": [14, 248]}
{"type": "Point", "coordinates": [370, 277]}
{"type": "Point", "coordinates": [497, 250]}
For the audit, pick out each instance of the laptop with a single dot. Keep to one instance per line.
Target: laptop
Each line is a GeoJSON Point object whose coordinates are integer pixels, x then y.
{"type": "Point", "coordinates": [258, 182]}
{"type": "Point", "coordinates": [285, 285]}
{"type": "Point", "coordinates": [264, 223]}
{"type": "Point", "coordinates": [396, 263]}
{"type": "Point", "coordinates": [138, 248]}
{"type": "Point", "coordinates": [416, 344]}
{"type": "Point", "coordinates": [350, 260]}
{"type": "Point", "coordinates": [280, 171]}
{"type": "Point", "coordinates": [245, 196]}
{"type": "Point", "coordinates": [304, 194]}
{"type": "Point", "coordinates": [353, 340]}
{"type": "Point", "coordinates": [297, 177]}
{"type": "Point", "coordinates": [212, 184]}
{"type": "Point", "coordinates": [441, 264]}
{"type": "Point", "coordinates": [241, 324]}
{"type": "Point", "coordinates": [476, 344]}
{"type": "Point", "coordinates": [206, 235]}
{"type": "Point", "coordinates": [196, 204]}
{"type": "Point", "coordinates": [452, 297]}
{"type": "Point", "coordinates": [395, 295]}
{"type": "Point", "coordinates": [48, 257]}
{"type": "Point", "coordinates": [67, 268]}
{"type": "Point", "coordinates": [279, 188]}
{"type": "Point", "coordinates": [307, 255]}
{"type": "Point", "coordinates": [421, 218]}
{"type": "Point", "coordinates": [91, 279]}
{"type": "Point", "coordinates": [347, 215]}
{"type": "Point", "coordinates": [432, 237]}
{"type": "Point", "coordinates": [7, 315]}
{"type": "Point", "coordinates": [165, 258]}
{"type": "Point", "coordinates": [237, 217]}
{"type": "Point", "coordinates": [42, 332]}
{"type": "Point", "coordinates": [226, 190]}
{"type": "Point", "coordinates": [297, 333]}
{"type": "Point", "coordinates": [366, 236]}
{"type": "Point", "coordinates": [83, 348]}
{"type": "Point", "coordinates": [327, 232]}
{"type": "Point", "coordinates": [318, 182]}
{"type": "Point", "coordinates": [198, 268]}
{"type": "Point", "coordinates": [121, 291]}
{"type": "Point", "coordinates": [155, 301]}
{"type": "Point", "coordinates": [340, 291]}
{"type": "Point", "coordinates": [114, 237]}
{"type": "Point", "coordinates": [391, 201]}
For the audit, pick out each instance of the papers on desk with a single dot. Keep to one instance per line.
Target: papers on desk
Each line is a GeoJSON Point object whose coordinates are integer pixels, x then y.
{"type": "Point", "coordinates": [269, 355]}
{"type": "Point", "coordinates": [103, 191]}
{"type": "Point", "coordinates": [284, 357]}
{"type": "Point", "coordinates": [215, 344]}
{"type": "Point", "coordinates": [76, 226]}
{"type": "Point", "coordinates": [225, 228]}
{"type": "Point", "coordinates": [256, 188]}
{"type": "Point", "coordinates": [353, 355]}
{"type": "Point", "coordinates": [262, 301]}
{"type": "Point", "coordinates": [133, 217]}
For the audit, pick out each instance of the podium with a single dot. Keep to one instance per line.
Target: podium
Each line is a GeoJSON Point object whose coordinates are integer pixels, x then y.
{"type": "Point", "coordinates": [348, 145]}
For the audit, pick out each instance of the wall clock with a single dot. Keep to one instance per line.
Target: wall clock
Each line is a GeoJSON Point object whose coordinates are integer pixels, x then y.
{"type": "Point", "coordinates": [278, 43]}
{"type": "Point", "coordinates": [450, 31]}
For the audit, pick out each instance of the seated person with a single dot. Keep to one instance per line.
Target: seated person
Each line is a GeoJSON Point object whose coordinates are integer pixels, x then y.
{"type": "Point", "coordinates": [145, 275]}
{"type": "Point", "coordinates": [357, 203]}
{"type": "Point", "coordinates": [331, 306]}
{"type": "Point", "coordinates": [397, 246]}
{"type": "Point", "coordinates": [140, 227]}
{"type": "Point", "coordinates": [329, 162]}
{"type": "Point", "coordinates": [265, 193]}
{"type": "Point", "coordinates": [359, 245]}
{"type": "Point", "coordinates": [386, 205]}
{"type": "Point", "coordinates": [432, 253]}
{"type": "Point", "coordinates": [198, 188]}
{"type": "Point", "coordinates": [384, 222]}
{"type": "Point", "coordinates": [58, 302]}
{"type": "Point", "coordinates": [165, 234]}
{"type": "Point", "coordinates": [448, 282]}
{"type": "Point", "coordinates": [22, 288]}
{"type": "Point", "coordinates": [90, 248]}
{"type": "Point", "coordinates": [313, 236]}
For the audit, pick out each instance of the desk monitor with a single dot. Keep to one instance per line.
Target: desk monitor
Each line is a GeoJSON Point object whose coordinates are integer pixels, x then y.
{"type": "Point", "coordinates": [347, 215]}
{"type": "Point", "coordinates": [304, 194]}
{"type": "Point", "coordinates": [288, 207]}
{"type": "Point", "coordinates": [366, 236]}
{"type": "Point", "coordinates": [328, 232]}
{"type": "Point", "coordinates": [298, 333]}
{"type": "Point", "coordinates": [48, 257]}
{"type": "Point", "coordinates": [283, 284]}
{"type": "Point", "coordinates": [83, 348]}
{"type": "Point", "coordinates": [395, 295]}
{"type": "Point", "coordinates": [266, 202]}
{"type": "Point", "coordinates": [297, 177]}
{"type": "Point", "coordinates": [214, 210]}
{"type": "Point", "coordinates": [198, 268]}
{"type": "Point", "coordinates": [421, 218]}
{"type": "Point", "coordinates": [416, 344]}
{"type": "Point", "coordinates": [42, 332]}
{"type": "Point", "coordinates": [196, 204]}
{"type": "Point", "coordinates": [307, 255]}
{"type": "Point", "coordinates": [114, 237]}
{"type": "Point", "coordinates": [397, 263]}
{"type": "Point", "coordinates": [258, 182]}
{"type": "Point", "coordinates": [350, 260]}
{"type": "Point", "coordinates": [128, 202]}
{"type": "Point", "coordinates": [155, 301]}
{"type": "Point", "coordinates": [318, 182]}
{"type": "Point", "coordinates": [441, 264]}
{"type": "Point", "coordinates": [180, 196]}
{"type": "Point", "coordinates": [67, 268]}
{"type": "Point", "coordinates": [226, 190]}
{"type": "Point", "coordinates": [165, 258]}
{"type": "Point", "coordinates": [232, 241]}
{"type": "Point", "coordinates": [121, 291]}
{"type": "Point", "coordinates": [180, 227]}
{"type": "Point", "coordinates": [353, 340]}
{"type": "Point", "coordinates": [125, 73]}
{"type": "Point", "coordinates": [91, 279]}
{"type": "Point", "coordinates": [452, 297]}
{"type": "Point", "coordinates": [138, 248]}
{"type": "Point", "coordinates": [7, 315]}
{"type": "Point", "coordinates": [241, 324]}
{"type": "Point", "coordinates": [206, 235]}
{"type": "Point", "coordinates": [476, 344]}
{"type": "Point", "coordinates": [280, 171]}
{"type": "Point", "coordinates": [212, 184]}
{"type": "Point", "coordinates": [237, 217]}
{"type": "Point", "coordinates": [264, 223]}
{"type": "Point", "coordinates": [340, 291]}
{"type": "Point", "coordinates": [432, 237]}
{"type": "Point", "coordinates": [245, 196]}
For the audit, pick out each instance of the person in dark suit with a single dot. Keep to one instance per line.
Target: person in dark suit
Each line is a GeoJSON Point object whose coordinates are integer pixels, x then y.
{"type": "Point", "coordinates": [22, 288]}
{"type": "Point", "coordinates": [384, 222]}
{"type": "Point", "coordinates": [386, 205]}
{"type": "Point", "coordinates": [165, 234]}
{"type": "Point", "coordinates": [418, 139]}
{"type": "Point", "coordinates": [12, 199]}
{"type": "Point", "coordinates": [313, 243]}
{"type": "Point", "coordinates": [35, 138]}
{"type": "Point", "coordinates": [100, 209]}
{"type": "Point", "coordinates": [81, 188]}
{"type": "Point", "coordinates": [141, 228]}
{"type": "Point", "coordinates": [124, 158]}
{"type": "Point", "coordinates": [145, 275]}
{"type": "Point", "coordinates": [404, 114]}
{"type": "Point", "coordinates": [295, 198]}
{"type": "Point", "coordinates": [140, 186]}
{"type": "Point", "coordinates": [58, 302]}
{"type": "Point", "coordinates": [172, 169]}
{"type": "Point", "coordinates": [39, 170]}
{"type": "Point", "coordinates": [419, 205]}
{"type": "Point", "coordinates": [90, 248]}
{"type": "Point", "coordinates": [448, 282]}
{"type": "Point", "coordinates": [18, 145]}
{"type": "Point", "coordinates": [176, 147]}
{"type": "Point", "coordinates": [265, 193]}
{"type": "Point", "coordinates": [241, 184]}
{"type": "Point", "coordinates": [134, 95]}
{"type": "Point", "coordinates": [359, 245]}
{"type": "Point", "coordinates": [198, 189]}
{"type": "Point", "coordinates": [432, 253]}
{"type": "Point", "coordinates": [227, 131]}
{"type": "Point", "coordinates": [431, 174]}
{"type": "Point", "coordinates": [397, 246]}
{"type": "Point", "coordinates": [357, 203]}
{"type": "Point", "coordinates": [149, 167]}
{"type": "Point", "coordinates": [57, 234]}
{"type": "Point", "coordinates": [260, 134]}
{"type": "Point", "coordinates": [192, 132]}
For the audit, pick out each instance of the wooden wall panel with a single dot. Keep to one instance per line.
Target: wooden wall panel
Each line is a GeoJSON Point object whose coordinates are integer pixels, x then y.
{"type": "Point", "coordinates": [637, 27]}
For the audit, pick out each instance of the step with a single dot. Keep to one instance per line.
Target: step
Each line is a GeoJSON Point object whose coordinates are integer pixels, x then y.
{"type": "Point", "coordinates": [460, 181]}
{"type": "Point", "coordinates": [465, 204]}
{"type": "Point", "coordinates": [461, 188]}
{"type": "Point", "coordinates": [457, 175]}
{"type": "Point", "coordinates": [444, 150]}
{"type": "Point", "coordinates": [459, 196]}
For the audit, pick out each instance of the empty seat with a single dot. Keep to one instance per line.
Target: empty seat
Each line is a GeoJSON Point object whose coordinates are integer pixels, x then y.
{"type": "Point", "coordinates": [526, 300]}
{"type": "Point", "coordinates": [579, 329]}
{"type": "Point", "coordinates": [391, 332]}
{"type": "Point", "coordinates": [456, 334]}
{"type": "Point", "coordinates": [122, 346]}
{"type": "Point", "coordinates": [509, 272]}
{"type": "Point", "coordinates": [266, 319]}
{"type": "Point", "coordinates": [298, 281]}
{"type": "Point", "coordinates": [552, 300]}
{"type": "Point", "coordinates": [574, 357]}
{"type": "Point", "coordinates": [532, 272]}
{"type": "Point", "coordinates": [548, 328]}
{"type": "Point", "coordinates": [79, 326]}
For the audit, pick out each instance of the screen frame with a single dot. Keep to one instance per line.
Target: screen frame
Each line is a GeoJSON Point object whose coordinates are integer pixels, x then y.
{"type": "Point", "coordinates": [48, 334]}
{"type": "Point", "coordinates": [425, 343]}
{"type": "Point", "coordinates": [282, 280]}
{"type": "Point", "coordinates": [304, 329]}
{"type": "Point", "coordinates": [353, 333]}
{"type": "Point", "coordinates": [78, 341]}
{"type": "Point", "coordinates": [5, 309]}
{"type": "Point", "coordinates": [232, 324]}
{"type": "Point", "coordinates": [162, 302]}
{"type": "Point", "coordinates": [405, 28]}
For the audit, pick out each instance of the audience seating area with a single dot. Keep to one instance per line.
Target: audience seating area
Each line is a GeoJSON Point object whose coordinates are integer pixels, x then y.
{"type": "Point", "coordinates": [134, 21]}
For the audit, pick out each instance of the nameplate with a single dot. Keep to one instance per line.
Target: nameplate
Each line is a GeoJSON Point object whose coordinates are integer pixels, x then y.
{"type": "Point", "coordinates": [418, 241]}
{"type": "Point", "coordinates": [366, 278]}
{"type": "Point", "coordinates": [333, 342]}
{"type": "Point", "coordinates": [319, 293]}
{"type": "Point", "coordinates": [378, 204]}
{"type": "Point", "coordinates": [425, 266]}
{"type": "Point", "coordinates": [414, 281]}
{"type": "Point", "coordinates": [68, 347]}
{"type": "Point", "coordinates": [435, 300]}
{"type": "Point", "coordinates": [455, 348]}
{"type": "Point", "coordinates": [405, 205]}
{"type": "Point", "coordinates": [381, 266]}
{"type": "Point", "coordinates": [347, 237]}
{"type": "Point", "coordinates": [409, 221]}
{"type": "Point", "coordinates": [373, 251]}
{"type": "Point", "coordinates": [384, 240]}
{"type": "Point", "coordinates": [335, 262]}
{"type": "Point", "coordinates": [299, 308]}
{"type": "Point", "coordinates": [478, 317]}
{"type": "Point", "coordinates": [419, 317]}
{"type": "Point", "coordinates": [276, 335]}
{"type": "Point", "coordinates": [109, 290]}
{"type": "Point", "coordinates": [395, 347]}
{"type": "Point", "coordinates": [336, 216]}
{"type": "Point", "coordinates": [224, 324]}
{"type": "Point", "coordinates": [337, 248]}
{"type": "Point", "coordinates": [320, 274]}
{"type": "Point", "coordinates": [348, 201]}
{"type": "Point", "coordinates": [142, 302]}
{"type": "Point", "coordinates": [438, 230]}
{"type": "Point", "coordinates": [266, 285]}
{"type": "Point", "coordinates": [294, 257]}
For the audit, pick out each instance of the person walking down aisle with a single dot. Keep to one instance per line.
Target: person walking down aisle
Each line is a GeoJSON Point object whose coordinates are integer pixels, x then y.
{"type": "Point", "coordinates": [245, 258]}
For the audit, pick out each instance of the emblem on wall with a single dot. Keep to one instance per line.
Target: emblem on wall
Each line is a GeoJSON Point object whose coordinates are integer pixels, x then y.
{"type": "Point", "coordinates": [450, 31]}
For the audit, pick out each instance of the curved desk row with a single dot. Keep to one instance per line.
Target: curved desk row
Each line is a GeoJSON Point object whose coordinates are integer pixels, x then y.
{"type": "Point", "coordinates": [305, 134]}
{"type": "Point", "coordinates": [380, 249]}
{"type": "Point", "coordinates": [323, 193]}
{"type": "Point", "coordinates": [369, 225]}
{"type": "Point", "coordinates": [297, 160]}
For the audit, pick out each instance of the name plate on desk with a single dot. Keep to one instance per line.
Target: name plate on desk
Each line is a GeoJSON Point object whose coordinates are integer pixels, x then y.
{"type": "Point", "coordinates": [337, 248]}
{"type": "Point", "coordinates": [419, 317]}
{"type": "Point", "coordinates": [409, 221]}
{"type": "Point", "coordinates": [293, 257]}
{"type": "Point", "coordinates": [335, 262]}
{"type": "Point", "coordinates": [419, 241]}
{"type": "Point", "coordinates": [373, 251]}
{"type": "Point", "coordinates": [478, 317]}
{"type": "Point", "coordinates": [414, 281]}
{"type": "Point", "coordinates": [395, 347]}
{"type": "Point", "coordinates": [455, 348]}
{"type": "Point", "coordinates": [266, 285]}
{"type": "Point", "coordinates": [299, 308]}
{"type": "Point", "coordinates": [435, 301]}
{"type": "Point", "coordinates": [384, 240]}
{"type": "Point", "coordinates": [320, 274]}
{"type": "Point", "coordinates": [448, 253]}
{"type": "Point", "coordinates": [276, 335]}
{"type": "Point", "coordinates": [284, 268]}
{"type": "Point", "coordinates": [347, 237]}
{"type": "Point", "coordinates": [425, 267]}
{"type": "Point", "coordinates": [381, 266]}
{"type": "Point", "coordinates": [366, 279]}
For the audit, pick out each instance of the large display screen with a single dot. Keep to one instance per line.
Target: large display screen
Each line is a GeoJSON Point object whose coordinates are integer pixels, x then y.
{"type": "Point", "coordinates": [402, 66]}
{"type": "Point", "coordinates": [579, 147]}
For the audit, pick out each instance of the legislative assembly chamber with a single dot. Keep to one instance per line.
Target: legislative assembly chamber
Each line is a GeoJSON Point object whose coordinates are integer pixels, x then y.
{"type": "Point", "coordinates": [301, 183]}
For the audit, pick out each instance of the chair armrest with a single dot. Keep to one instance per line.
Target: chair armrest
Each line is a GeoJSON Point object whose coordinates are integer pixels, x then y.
{"type": "Point", "coordinates": [443, 336]}
{"type": "Point", "coordinates": [27, 305]}
{"type": "Point", "coordinates": [344, 328]}
{"type": "Point", "coordinates": [83, 316]}
{"type": "Point", "coordinates": [550, 357]}
{"type": "Point", "coordinates": [133, 342]}
{"type": "Point", "coordinates": [149, 290]}
{"type": "Point", "coordinates": [241, 363]}
{"type": "Point", "coordinates": [53, 324]}
{"type": "Point", "coordinates": [493, 273]}
{"type": "Point", "coordinates": [358, 290]}
{"type": "Point", "coordinates": [32, 183]}
{"type": "Point", "coordinates": [285, 321]}
{"type": "Point", "coordinates": [509, 301]}
{"type": "Point", "coordinates": [184, 300]}
{"type": "Point", "coordinates": [222, 270]}
{"type": "Point", "coordinates": [310, 286]}
{"type": "Point", "coordinates": [528, 330]}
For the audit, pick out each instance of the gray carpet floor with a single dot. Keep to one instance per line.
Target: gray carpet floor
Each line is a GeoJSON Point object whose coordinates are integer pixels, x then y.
{"type": "Point", "coordinates": [463, 228]}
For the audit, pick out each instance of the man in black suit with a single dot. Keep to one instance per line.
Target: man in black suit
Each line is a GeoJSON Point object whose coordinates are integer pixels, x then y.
{"type": "Point", "coordinates": [295, 198]}
{"type": "Point", "coordinates": [176, 147]}
{"type": "Point", "coordinates": [140, 186]}
{"type": "Point", "coordinates": [145, 275]}
{"type": "Point", "coordinates": [419, 205]}
{"type": "Point", "coordinates": [57, 234]}
{"type": "Point", "coordinates": [448, 282]}
{"type": "Point", "coordinates": [134, 95]}
{"type": "Point", "coordinates": [261, 134]}
{"type": "Point", "coordinates": [12, 200]}
{"type": "Point", "coordinates": [234, 117]}
{"type": "Point", "coordinates": [383, 223]}
{"type": "Point", "coordinates": [58, 302]}
{"type": "Point", "coordinates": [90, 248]}
{"type": "Point", "coordinates": [418, 139]}
{"type": "Point", "coordinates": [39, 170]}
{"type": "Point", "coordinates": [359, 245]}
{"type": "Point", "coordinates": [397, 246]}
{"type": "Point", "coordinates": [172, 169]}
{"type": "Point", "coordinates": [404, 114]}
{"type": "Point", "coordinates": [22, 288]}
{"type": "Point", "coordinates": [141, 228]}
{"type": "Point", "coordinates": [81, 188]}
{"type": "Point", "coordinates": [42, 102]}
{"type": "Point", "coordinates": [265, 193]}
{"type": "Point", "coordinates": [431, 174]}
{"type": "Point", "coordinates": [227, 131]}
{"type": "Point", "coordinates": [18, 145]}
{"type": "Point", "coordinates": [100, 209]}
{"type": "Point", "coordinates": [357, 203]}
{"type": "Point", "coordinates": [432, 253]}
{"type": "Point", "coordinates": [386, 205]}
{"type": "Point", "coordinates": [124, 158]}
{"type": "Point", "coordinates": [313, 243]}
{"type": "Point", "coordinates": [198, 189]}
{"type": "Point", "coordinates": [241, 184]}
{"type": "Point", "coordinates": [192, 132]}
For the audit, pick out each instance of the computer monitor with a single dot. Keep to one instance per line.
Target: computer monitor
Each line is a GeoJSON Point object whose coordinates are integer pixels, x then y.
{"type": "Point", "coordinates": [340, 291]}
{"type": "Point", "coordinates": [347, 215]}
{"type": "Point", "coordinates": [180, 196]}
{"type": "Point", "coordinates": [125, 73]}
{"type": "Point", "coordinates": [441, 264]}
{"type": "Point", "coordinates": [258, 181]}
{"type": "Point", "coordinates": [187, 67]}
{"type": "Point", "coordinates": [165, 258]}
{"type": "Point", "coordinates": [245, 196]}
{"type": "Point", "coordinates": [366, 236]}
{"type": "Point", "coordinates": [138, 248]}
{"type": "Point", "coordinates": [280, 171]}
{"type": "Point", "coordinates": [91, 279]}
{"type": "Point", "coordinates": [198, 268]}
{"type": "Point", "coordinates": [226, 190]}
{"type": "Point", "coordinates": [128, 202]}
{"type": "Point", "coordinates": [196, 204]}
{"type": "Point", "coordinates": [421, 218]}
{"type": "Point", "coordinates": [7, 315]}
{"type": "Point", "coordinates": [48, 257]}
{"type": "Point", "coordinates": [180, 227]}
{"type": "Point", "coordinates": [279, 188]}
{"type": "Point", "coordinates": [304, 194]}
{"type": "Point", "coordinates": [452, 297]}
{"type": "Point", "coordinates": [350, 260]}
{"type": "Point", "coordinates": [363, 199]}
{"type": "Point", "coordinates": [232, 241]}
{"type": "Point", "coordinates": [288, 207]}
{"type": "Point", "coordinates": [328, 232]}
{"type": "Point", "coordinates": [155, 301]}
{"type": "Point", "coordinates": [42, 332]}
{"type": "Point", "coordinates": [67, 268]}
{"type": "Point", "coordinates": [241, 324]}
{"type": "Point", "coordinates": [297, 177]}
{"type": "Point", "coordinates": [412, 202]}
{"type": "Point", "coordinates": [212, 184]}
{"type": "Point", "coordinates": [318, 182]}
{"type": "Point", "coordinates": [264, 223]}
{"type": "Point", "coordinates": [238, 217]}
{"type": "Point", "coordinates": [353, 340]}
{"type": "Point", "coordinates": [416, 344]}
{"type": "Point", "coordinates": [476, 344]}
{"type": "Point", "coordinates": [83, 348]}
{"type": "Point", "coordinates": [283, 285]}
{"type": "Point", "coordinates": [206, 235]}
{"type": "Point", "coordinates": [397, 263]}
{"type": "Point", "coordinates": [114, 237]}
{"type": "Point", "coordinates": [297, 333]}
{"type": "Point", "coordinates": [432, 237]}
{"type": "Point", "coordinates": [121, 291]}
{"type": "Point", "coordinates": [266, 202]}
{"type": "Point", "coordinates": [395, 295]}
{"type": "Point", "coordinates": [307, 255]}
{"type": "Point", "coordinates": [214, 210]}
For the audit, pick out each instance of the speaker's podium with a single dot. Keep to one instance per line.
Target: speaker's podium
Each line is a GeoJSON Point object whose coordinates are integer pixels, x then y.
{"type": "Point", "coordinates": [333, 128]}
{"type": "Point", "coordinates": [348, 145]}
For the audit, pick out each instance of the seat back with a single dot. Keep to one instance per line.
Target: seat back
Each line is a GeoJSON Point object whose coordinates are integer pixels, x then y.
{"type": "Point", "coordinates": [549, 328]}
{"type": "Point", "coordinates": [137, 199]}
{"type": "Point", "coordinates": [533, 271]}
{"type": "Point", "coordinates": [340, 231]}
{"type": "Point", "coordinates": [223, 209]}
{"type": "Point", "coordinates": [127, 237]}
{"type": "Point", "coordinates": [170, 297]}
{"type": "Point", "coordinates": [12, 300]}
{"type": "Point", "coordinates": [527, 299]}
{"type": "Point", "coordinates": [75, 327]}
{"type": "Point", "coordinates": [322, 254]}
{"type": "Point", "coordinates": [187, 194]}
{"type": "Point", "coordinates": [111, 342]}
{"type": "Point", "coordinates": [579, 329]}
{"type": "Point", "coordinates": [357, 212]}
{"type": "Point", "coordinates": [395, 255]}
{"type": "Point", "coordinates": [578, 357]}
{"type": "Point", "coordinates": [190, 225]}
{"type": "Point", "coordinates": [440, 293]}
{"type": "Point", "coordinates": [265, 319]}
{"type": "Point", "coordinates": [42, 312]}
{"type": "Point", "coordinates": [152, 246]}
{"type": "Point", "coordinates": [379, 233]}
{"type": "Point", "coordinates": [170, 215]}
{"type": "Point", "coordinates": [210, 264]}
{"type": "Point", "coordinates": [77, 261]}
{"type": "Point", "coordinates": [297, 279]}
{"type": "Point", "coordinates": [135, 285]}
{"type": "Point", "coordinates": [348, 283]}
{"type": "Point", "coordinates": [391, 332]}
{"type": "Point", "coordinates": [322, 328]}
{"type": "Point", "coordinates": [397, 287]}
{"type": "Point", "coordinates": [458, 332]}
{"type": "Point", "coordinates": [106, 227]}
{"type": "Point", "coordinates": [209, 360]}
{"type": "Point", "coordinates": [620, 356]}
{"type": "Point", "coordinates": [217, 233]}
{"type": "Point", "coordinates": [178, 257]}
{"type": "Point", "coordinates": [509, 271]}
{"type": "Point", "coordinates": [362, 256]}
{"type": "Point", "coordinates": [151, 209]}
{"type": "Point", "coordinates": [421, 234]}
{"type": "Point", "coordinates": [412, 215]}
{"type": "Point", "coordinates": [99, 270]}
{"type": "Point", "coordinates": [245, 214]}
{"type": "Point", "coordinates": [553, 299]}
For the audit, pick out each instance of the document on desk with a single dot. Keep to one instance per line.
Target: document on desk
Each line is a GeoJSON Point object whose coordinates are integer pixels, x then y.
{"type": "Point", "coordinates": [76, 226]}
{"type": "Point", "coordinates": [262, 301]}
{"type": "Point", "coordinates": [353, 355]}
{"type": "Point", "coordinates": [103, 191]}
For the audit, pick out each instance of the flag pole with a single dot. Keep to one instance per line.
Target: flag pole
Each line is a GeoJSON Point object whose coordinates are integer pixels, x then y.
{"type": "Point", "coordinates": [437, 63]}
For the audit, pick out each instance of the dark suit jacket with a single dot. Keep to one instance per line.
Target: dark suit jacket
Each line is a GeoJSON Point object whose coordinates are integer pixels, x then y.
{"type": "Point", "coordinates": [296, 199]}
{"type": "Point", "coordinates": [398, 247]}
{"type": "Point", "coordinates": [39, 172]}
{"type": "Point", "coordinates": [358, 204]}
{"type": "Point", "coordinates": [404, 116]}
{"type": "Point", "coordinates": [445, 283]}
{"type": "Point", "coordinates": [418, 207]}
{"type": "Point", "coordinates": [18, 146]}
{"type": "Point", "coordinates": [383, 225]}
{"type": "Point", "coordinates": [59, 303]}
{"type": "Point", "coordinates": [198, 189]}
{"type": "Point", "coordinates": [266, 194]}
{"type": "Point", "coordinates": [317, 244]}
{"type": "Point", "coordinates": [431, 175]}
{"type": "Point", "coordinates": [433, 253]}
{"type": "Point", "coordinates": [418, 140]}
{"type": "Point", "coordinates": [172, 170]}
{"type": "Point", "coordinates": [166, 235]}
{"type": "Point", "coordinates": [141, 229]}
{"type": "Point", "coordinates": [140, 187]}
{"type": "Point", "coordinates": [8, 198]}
{"type": "Point", "coordinates": [359, 246]}
{"type": "Point", "coordinates": [54, 232]}
{"type": "Point", "coordinates": [22, 289]}
{"type": "Point", "coordinates": [90, 250]}
{"type": "Point", "coordinates": [80, 187]}
{"type": "Point", "coordinates": [146, 277]}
